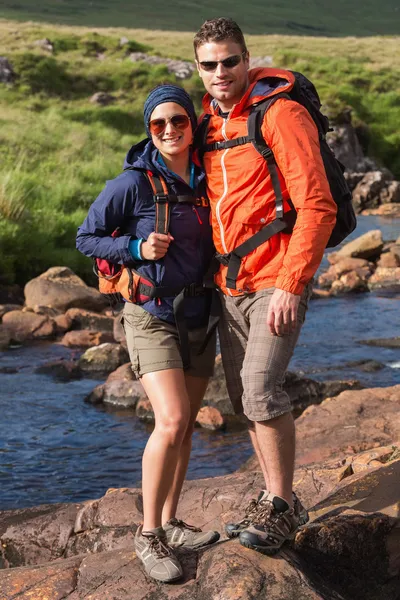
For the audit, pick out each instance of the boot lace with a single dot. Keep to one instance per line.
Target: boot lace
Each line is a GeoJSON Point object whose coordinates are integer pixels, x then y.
{"type": "Point", "coordinates": [157, 545]}
{"type": "Point", "coordinates": [182, 525]}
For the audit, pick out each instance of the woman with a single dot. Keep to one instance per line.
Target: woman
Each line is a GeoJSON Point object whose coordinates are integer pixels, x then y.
{"type": "Point", "coordinates": [175, 259]}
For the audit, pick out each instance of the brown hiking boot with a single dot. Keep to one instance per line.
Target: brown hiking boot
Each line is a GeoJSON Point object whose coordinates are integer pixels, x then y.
{"type": "Point", "coordinates": [180, 534]}
{"type": "Point", "coordinates": [272, 525]}
{"type": "Point", "coordinates": [158, 560]}
{"type": "Point", "coordinates": [232, 530]}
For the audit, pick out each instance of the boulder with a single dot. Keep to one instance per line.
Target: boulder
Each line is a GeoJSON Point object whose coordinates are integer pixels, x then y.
{"type": "Point", "coordinates": [63, 323]}
{"type": "Point", "coordinates": [345, 145]}
{"type": "Point", "coordinates": [83, 338]}
{"type": "Point", "coordinates": [350, 282]}
{"type": "Point", "coordinates": [61, 369]}
{"type": "Point", "coordinates": [351, 498]}
{"type": "Point", "coordinates": [209, 417]}
{"type": "Point", "coordinates": [60, 288]}
{"type": "Point", "coordinates": [372, 190]}
{"type": "Point", "coordinates": [5, 338]}
{"type": "Point", "coordinates": [118, 331]}
{"type": "Point", "coordinates": [385, 210]}
{"type": "Point", "coordinates": [44, 44]}
{"type": "Point", "coordinates": [24, 325]}
{"type": "Point", "coordinates": [385, 277]}
{"type": "Point", "coordinates": [180, 68]}
{"type": "Point", "coordinates": [345, 265]}
{"type": "Point", "coordinates": [368, 246]}
{"type": "Point", "coordinates": [120, 389]}
{"type": "Point", "coordinates": [382, 342]}
{"type": "Point", "coordinates": [144, 410]}
{"type": "Point", "coordinates": [7, 74]}
{"type": "Point", "coordinates": [86, 319]}
{"type": "Point", "coordinates": [5, 308]}
{"type": "Point", "coordinates": [389, 260]}
{"type": "Point", "coordinates": [103, 358]}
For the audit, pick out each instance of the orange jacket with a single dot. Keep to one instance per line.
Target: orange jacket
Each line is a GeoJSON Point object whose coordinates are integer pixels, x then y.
{"type": "Point", "coordinates": [241, 193]}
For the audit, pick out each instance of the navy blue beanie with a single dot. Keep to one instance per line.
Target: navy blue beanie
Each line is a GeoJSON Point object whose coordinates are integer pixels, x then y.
{"type": "Point", "coordinates": [168, 93]}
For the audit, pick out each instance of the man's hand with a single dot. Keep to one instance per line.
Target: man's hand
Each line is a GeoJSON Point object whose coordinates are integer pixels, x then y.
{"type": "Point", "coordinates": [282, 312]}
{"type": "Point", "coordinates": [156, 246]}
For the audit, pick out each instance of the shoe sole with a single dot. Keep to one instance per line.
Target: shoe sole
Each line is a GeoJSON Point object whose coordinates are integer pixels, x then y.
{"type": "Point", "coordinates": [208, 543]}
{"type": "Point", "coordinates": [261, 549]}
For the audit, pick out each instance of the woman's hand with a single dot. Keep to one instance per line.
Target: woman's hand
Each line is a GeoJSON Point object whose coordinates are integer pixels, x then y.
{"type": "Point", "coordinates": [156, 246]}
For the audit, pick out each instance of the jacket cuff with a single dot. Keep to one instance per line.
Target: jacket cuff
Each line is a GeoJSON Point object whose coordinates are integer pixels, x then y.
{"type": "Point", "coordinates": [288, 285]}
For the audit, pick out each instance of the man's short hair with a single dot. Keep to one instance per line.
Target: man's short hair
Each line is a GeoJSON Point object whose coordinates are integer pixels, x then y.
{"type": "Point", "coordinates": [219, 30]}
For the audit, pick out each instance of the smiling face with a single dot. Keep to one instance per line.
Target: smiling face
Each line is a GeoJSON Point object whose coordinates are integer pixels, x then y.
{"type": "Point", "coordinates": [226, 85]}
{"type": "Point", "coordinates": [172, 141]}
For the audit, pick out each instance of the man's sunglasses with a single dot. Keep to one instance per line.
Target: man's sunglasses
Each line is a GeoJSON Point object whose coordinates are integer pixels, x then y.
{"type": "Point", "coordinates": [228, 63]}
{"type": "Point", "coordinates": [158, 126]}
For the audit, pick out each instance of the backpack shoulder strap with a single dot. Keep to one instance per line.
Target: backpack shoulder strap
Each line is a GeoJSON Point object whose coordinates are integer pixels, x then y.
{"type": "Point", "coordinates": [200, 137]}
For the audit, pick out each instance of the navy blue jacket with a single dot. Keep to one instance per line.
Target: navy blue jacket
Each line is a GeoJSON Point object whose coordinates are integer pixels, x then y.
{"type": "Point", "coordinates": [127, 202]}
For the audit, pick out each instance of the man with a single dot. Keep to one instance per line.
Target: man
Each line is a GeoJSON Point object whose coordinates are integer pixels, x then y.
{"type": "Point", "coordinates": [264, 306]}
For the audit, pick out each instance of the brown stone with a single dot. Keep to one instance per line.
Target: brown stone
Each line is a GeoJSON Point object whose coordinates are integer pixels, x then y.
{"type": "Point", "coordinates": [326, 279]}
{"type": "Point", "coordinates": [84, 338]}
{"type": "Point", "coordinates": [385, 210]}
{"type": "Point", "coordinates": [23, 326]}
{"type": "Point", "coordinates": [5, 308]}
{"type": "Point", "coordinates": [209, 417]}
{"type": "Point", "coordinates": [103, 358]}
{"type": "Point", "coordinates": [60, 288]}
{"type": "Point", "coordinates": [350, 282]}
{"type": "Point", "coordinates": [86, 319]}
{"type": "Point", "coordinates": [345, 265]}
{"type": "Point", "coordinates": [385, 277]}
{"type": "Point", "coordinates": [367, 246]}
{"type": "Point", "coordinates": [389, 260]}
{"type": "Point", "coordinates": [144, 410]}
{"type": "Point", "coordinates": [63, 323]}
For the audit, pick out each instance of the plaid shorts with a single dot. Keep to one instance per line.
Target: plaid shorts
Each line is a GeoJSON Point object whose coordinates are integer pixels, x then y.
{"type": "Point", "coordinates": [254, 360]}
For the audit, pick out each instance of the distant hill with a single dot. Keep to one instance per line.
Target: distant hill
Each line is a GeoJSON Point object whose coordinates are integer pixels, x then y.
{"type": "Point", "coordinates": [311, 17]}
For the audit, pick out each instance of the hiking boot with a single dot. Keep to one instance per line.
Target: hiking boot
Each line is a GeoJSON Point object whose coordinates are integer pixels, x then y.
{"type": "Point", "coordinates": [158, 559]}
{"type": "Point", "coordinates": [273, 524]}
{"type": "Point", "coordinates": [232, 530]}
{"type": "Point", "coordinates": [182, 535]}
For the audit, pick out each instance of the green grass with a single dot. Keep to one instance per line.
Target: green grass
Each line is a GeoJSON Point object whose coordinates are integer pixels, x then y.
{"type": "Point", "coordinates": [310, 17]}
{"type": "Point", "coordinates": [57, 149]}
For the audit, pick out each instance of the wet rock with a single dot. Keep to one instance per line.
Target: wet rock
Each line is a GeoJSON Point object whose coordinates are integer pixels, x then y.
{"type": "Point", "coordinates": [5, 338]}
{"type": "Point", "coordinates": [180, 68]}
{"type": "Point", "coordinates": [385, 210]}
{"type": "Point", "coordinates": [5, 308]}
{"type": "Point", "coordinates": [328, 389]}
{"type": "Point", "coordinates": [385, 277]}
{"type": "Point", "coordinates": [23, 326]}
{"type": "Point", "coordinates": [393, 342]}
{"type": "Point", "coordinates": [350, 282]}
{"type": "Point", "coordinates": [389, 260]}
{"type": "Point", "coordinates": [85, 319]}
{"type": "Point", "coordinates": [368, 246]}
{"type": "Point", "coordinates": [60, 288]}
{"type": "Point", "coordinates": [7, 74]}
{"type": "Point", "coordinates": [345, 265]}
{"type": "Point", "coordinates": [144, 411]}
{"type": "Point", "coordinates": [102, 99]}
{"type": "Point", "coordinates": [209, 417]}
{"type": "Point", "coordinates": [84, 338]}
{"type": "Point", "coordinates": [65, 370]}
{"type": "Point", "coordinates": [325, 280]}
{"type": "Point", "coordinates": [120, 389]}
{"type": "Point", "coordinates": [368, 366]}
{"type": "Point", "coordinates": [103, 358]}
{"type": "Point", "coordinates": [372, 190]}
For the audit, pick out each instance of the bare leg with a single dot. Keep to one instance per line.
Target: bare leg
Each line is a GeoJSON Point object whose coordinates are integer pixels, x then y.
{"type": "Point", "coordinates": [260, 458]}
{"type": "Point", "coordinates": [196, 387]}
{"type": "Point", "coordinates": [276, 442]}
{"type": "Point", "coordinates": [168, 396]}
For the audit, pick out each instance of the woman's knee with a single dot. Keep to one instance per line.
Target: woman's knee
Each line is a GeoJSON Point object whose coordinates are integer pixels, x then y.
{"type": "Point", "coordinates": [173, 426]}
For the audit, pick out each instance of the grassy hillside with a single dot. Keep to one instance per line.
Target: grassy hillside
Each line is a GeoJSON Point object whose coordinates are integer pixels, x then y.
{"type": "Point", "coordinates": [310, 17]}
{"type": "Point", "coordinates": [57, 149]}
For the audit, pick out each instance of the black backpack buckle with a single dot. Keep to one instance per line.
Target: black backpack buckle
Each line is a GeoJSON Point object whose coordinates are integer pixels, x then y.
{"type": "Point", "coordinates": [191, 290]}
{"type": "Point", "coordinates": [160, 198]}
{"type": "Point", "coordinates": [223, 258]}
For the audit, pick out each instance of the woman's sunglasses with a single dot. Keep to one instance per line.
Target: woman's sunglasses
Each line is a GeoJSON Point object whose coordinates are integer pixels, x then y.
{"type": "Point", "coordinates": [158, 126]}
{"type": "Point", "coordinates": [228, 63]}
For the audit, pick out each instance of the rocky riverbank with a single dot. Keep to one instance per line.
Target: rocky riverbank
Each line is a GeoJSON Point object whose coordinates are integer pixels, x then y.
{"type": "Point", "coordinates": [348, 469]}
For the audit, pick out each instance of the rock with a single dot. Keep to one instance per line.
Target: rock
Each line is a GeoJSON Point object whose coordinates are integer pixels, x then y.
{"type": "Point", "coordinates": [328, 389]}
{"type": "Point", "coordinates": [180, 68]}
{"type": "Point", "coordinates": [391, 194]}
{"type": "Point", "coordinates": [118, 331]}
{"type": "Point", "coordinates": [351, 422]}
{"type": "Point", "coordinates": [5, 308]}
{"type": "Point", "coordinates": [345, 265]}
{"type": "Point", "coordinates": [389, 260]}
{"type": "Point", "coordinates": [60, 288]}
{"type": "Point", "coordinates": [385, 210]}
{"type": "Point", "coordinates": [65, 370]}
{"type": "Point", "coordinates": [123, 41]}
{"type": "Point", "coordinates": [7, 74]}
{"type": "Point", "coordinates": [346, 147]}
{"type": "Point", "coordinates": [96, 395]}
{"type": "Point", "coordinates": [44, 44]}
{"type": "Point", "coordinates": [385, 277]}
{"type": "Point", "coordinates": [350, 282]}
{"type": "Point", "coordinates": [382, 342]}
{"type": "Point", "coordinates": [367, 246]}
{"type": "Point", "coordinates": [326, 279]}
{"type": "Point", "coordinates": [5, 338]}
{"type": "Point", "coordinates": [83, 338]}
{"type": "Point", "coordinates": [11, 294]}
{"type": "Point", "coordinates": [317, 294]}
{"type": "Point", "coordinates": [302, 391]}
{"type": "Point", "coordinates": [216, 393]}
{"type": "Point", "coordinates": [368, 366]}
{"type": "Point", "coordinates": [63, 323]}
{"type": "Point", "coordinates": [23, 326]}
{"type": "Point", "coordinates": [352, 498]}
{"type": "Point", "coordinates": [102, 99]}
{"type": "Point", "coordinates": [353, 178]}
{"type": "Point", "coordinates": [103, 358]}
{"type": "Point", "coordinates": [372, 188]}
{"type": "Point", "coordinates": [85, 319]}
{"type": "Point", "coordinates": [144, 410]}
{"type": "Point", "coordinates": [209, 417]}
{"type": "Point", "coordinates": [260, 61]}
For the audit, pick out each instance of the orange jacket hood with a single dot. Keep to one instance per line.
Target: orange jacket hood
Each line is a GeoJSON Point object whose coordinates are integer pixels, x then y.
{"type": "Point", "coordinates": [263, 83]}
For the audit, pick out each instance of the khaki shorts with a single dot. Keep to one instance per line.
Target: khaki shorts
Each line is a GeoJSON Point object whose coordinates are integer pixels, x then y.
{"type": "Point", "coordinates": [153, 344]}
{"type": "Point", "coordinates": [255, 361]}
